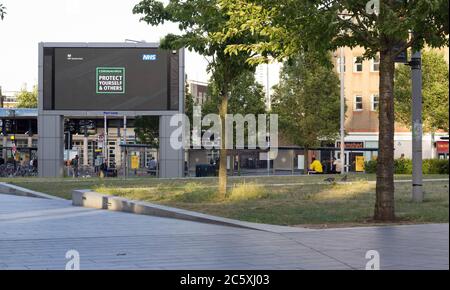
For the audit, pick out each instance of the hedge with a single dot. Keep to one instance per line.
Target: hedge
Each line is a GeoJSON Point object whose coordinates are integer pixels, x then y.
{"type": "Point", "coordinates": [404, 166]}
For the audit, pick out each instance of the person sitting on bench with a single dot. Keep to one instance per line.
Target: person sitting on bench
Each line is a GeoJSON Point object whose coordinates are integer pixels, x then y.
{"type": "Point", "coordinates": [315, 167]}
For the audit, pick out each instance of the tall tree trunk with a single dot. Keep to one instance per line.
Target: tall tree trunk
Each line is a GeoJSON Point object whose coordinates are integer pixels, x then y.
{"type": "Point", "coordinates": [223, 151]}
{"type": "Point", "coordinates": [384, 205]}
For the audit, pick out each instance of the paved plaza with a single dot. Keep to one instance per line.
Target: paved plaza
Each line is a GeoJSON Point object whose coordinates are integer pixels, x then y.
{"type": "Point", "coordinates": [36, 234]}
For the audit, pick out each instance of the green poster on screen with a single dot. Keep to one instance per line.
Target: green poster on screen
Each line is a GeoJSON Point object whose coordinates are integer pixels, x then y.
{"type": "Point", "coordinates": [110, 80]}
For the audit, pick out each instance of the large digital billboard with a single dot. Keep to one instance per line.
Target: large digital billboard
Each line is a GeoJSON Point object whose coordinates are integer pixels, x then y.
{"type": "Point", "coordinates": [110, 79]}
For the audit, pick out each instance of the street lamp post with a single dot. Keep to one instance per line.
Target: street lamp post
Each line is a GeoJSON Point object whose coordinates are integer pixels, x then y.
{"type": "Point", "coordinates": [125, 163]}
{"type": "Point", "coordinates": [13, 138]}
{"type": "Point", "coordinates": [105, 138]}
{"type": "Point", "coordinates": [15, 127]}
{"type": "Point", "coordinates": [416, 80]}
{"type": "Point", "coordinates": [268, 107]}
{"type": "Point", "coordinates": [342, 120]}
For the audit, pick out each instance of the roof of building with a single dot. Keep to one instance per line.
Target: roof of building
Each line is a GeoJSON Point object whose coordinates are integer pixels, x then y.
{"type": "Point", "coordinates": [18, 112]}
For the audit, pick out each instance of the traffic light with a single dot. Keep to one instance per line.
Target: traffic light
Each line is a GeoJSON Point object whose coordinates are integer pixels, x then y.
{"type": "Point", "coordinates": [68, 140]}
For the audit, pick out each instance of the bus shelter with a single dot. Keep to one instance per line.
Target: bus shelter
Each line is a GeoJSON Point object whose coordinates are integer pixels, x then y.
{"type": "Point", "coordinates": [139, 160]}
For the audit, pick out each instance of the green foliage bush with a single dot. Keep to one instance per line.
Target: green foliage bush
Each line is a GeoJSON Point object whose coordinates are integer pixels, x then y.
{"type": "Point", "coordinates": [404, 166]}
{"type": "Point", "coordinates": [445, 166]}
{"type": "Point", "coordinates": [435, 166]}
{"type": "Point", "coordinates": [371, 166]}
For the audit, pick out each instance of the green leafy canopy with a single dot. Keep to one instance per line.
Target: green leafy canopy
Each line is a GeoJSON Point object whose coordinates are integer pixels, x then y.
{"type": "Point", "coordinates": [2, 11]}
{"type": "Point", "coordinates": [246, 96]}
{"type": "Point", "coordinates": [434, 92]}
{"type": "Point", "coordinates": [26, 99]}
{"type": "Point", "coordinates": [198, 20]}
{"type": "Point", "coordinates": [307, 101]}
{"type": "Point", "coordinates": [147, 130]}
{"type": "Point", "coordinates": [288, 26]}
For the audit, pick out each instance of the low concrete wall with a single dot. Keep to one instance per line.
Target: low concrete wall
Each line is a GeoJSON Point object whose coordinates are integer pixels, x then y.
{"type": "Point", "coordinates": [12, 189]}
{"type": "Point", "coordinates": [88, 198]}
{"type": "Point", "coordinates": [92, 199]}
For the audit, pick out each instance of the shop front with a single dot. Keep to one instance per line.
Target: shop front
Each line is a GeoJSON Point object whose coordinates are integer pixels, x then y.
{"type": "Point", "coordinates": [442, 149]}
{"type": "Point", "coordinates": [356, 153]}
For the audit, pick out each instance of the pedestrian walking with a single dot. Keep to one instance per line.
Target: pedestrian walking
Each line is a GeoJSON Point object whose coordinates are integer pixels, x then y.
{"type": "Point", "coordinates": [75, 166]}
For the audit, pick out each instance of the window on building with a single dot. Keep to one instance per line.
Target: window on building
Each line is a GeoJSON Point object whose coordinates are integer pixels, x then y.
{"type": "Point", "coordinates": [22, 143]}
{"type": "Point", "coordinates": [375, 102]}
{"type": "Point", "coordinates": [375, 64]}
{"type": "Point", "coordinates": [358, 103]}
{"type": "Point", "coordinates": [338, 64]}
{"type": "Point", "coordinates": [357, 64]}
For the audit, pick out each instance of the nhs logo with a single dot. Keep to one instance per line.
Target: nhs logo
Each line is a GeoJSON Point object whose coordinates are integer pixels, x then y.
{"type": "Point", "coordinates": [148, 57]}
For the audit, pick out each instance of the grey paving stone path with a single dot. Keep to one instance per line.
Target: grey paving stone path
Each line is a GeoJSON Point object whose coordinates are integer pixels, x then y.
{"type": "Point", "coordinates": [36, 234]}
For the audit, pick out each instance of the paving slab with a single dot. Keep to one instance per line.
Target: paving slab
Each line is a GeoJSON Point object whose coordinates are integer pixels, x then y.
{"type": "Point", "coordinates": [36, 233]}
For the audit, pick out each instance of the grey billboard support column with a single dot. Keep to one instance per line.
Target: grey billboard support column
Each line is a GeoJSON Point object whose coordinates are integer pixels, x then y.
{"type": "Point", "coordinates": [171, 161]}
{"type": "Point", "coordinates": [51, 145]}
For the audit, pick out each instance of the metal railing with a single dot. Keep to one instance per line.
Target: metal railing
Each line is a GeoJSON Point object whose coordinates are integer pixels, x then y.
{"type": "Point", "coordinates": [11, 170]}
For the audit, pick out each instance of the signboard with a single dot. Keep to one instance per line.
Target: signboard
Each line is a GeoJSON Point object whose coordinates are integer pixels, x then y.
{"type": "Point", "coordinates": [442, 147]}
{"type": "Point", "coordinates": [106, 77]}
{"type": "Point", "coordinates": [359, 163]}
{"type": "Point", "coordinates": [110, 80]}
{"type": "Point", "coordinates": [351, 145]}
{"type": "Point", "coordinates": [134, 162]}
{"type": "Point", "coordinates": [301, 162]}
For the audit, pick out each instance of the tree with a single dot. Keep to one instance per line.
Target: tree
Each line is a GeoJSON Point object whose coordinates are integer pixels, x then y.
{"type": "Point", "coordinates": [188, 103]}
{"type": "Point", "coordinates": [198, 21]}
{"type": "Point", "coordinates": [434, 93]}
{"type": "Point", "coordinates": [2, 11]}
{"type": "Point", "coordinates": [307, 101]}
{"type": "Point", "coordinates": [27, 99]}
{"type": "Point", "coordinates": [147, 130]}
{"type": "Point", "coordinates": [285, 27]}
{"type": "Point", "coordinates": [246, 96]}
{"type": "Point", "coordinates": [147, 127]}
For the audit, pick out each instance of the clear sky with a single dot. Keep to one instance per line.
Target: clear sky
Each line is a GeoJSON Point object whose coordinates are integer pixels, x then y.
{"type": "Point", "coordinates": [29, 22]}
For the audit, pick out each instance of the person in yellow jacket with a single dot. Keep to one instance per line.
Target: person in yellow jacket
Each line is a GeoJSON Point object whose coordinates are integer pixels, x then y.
{"type": "Point", "coordinates": [316, 166]}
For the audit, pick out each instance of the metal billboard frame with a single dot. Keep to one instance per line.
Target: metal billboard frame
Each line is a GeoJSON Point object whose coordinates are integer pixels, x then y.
{"type": "Point", "coordinates": [50, 122]}
{"type": "Point", "coordinates": [68, 113]}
